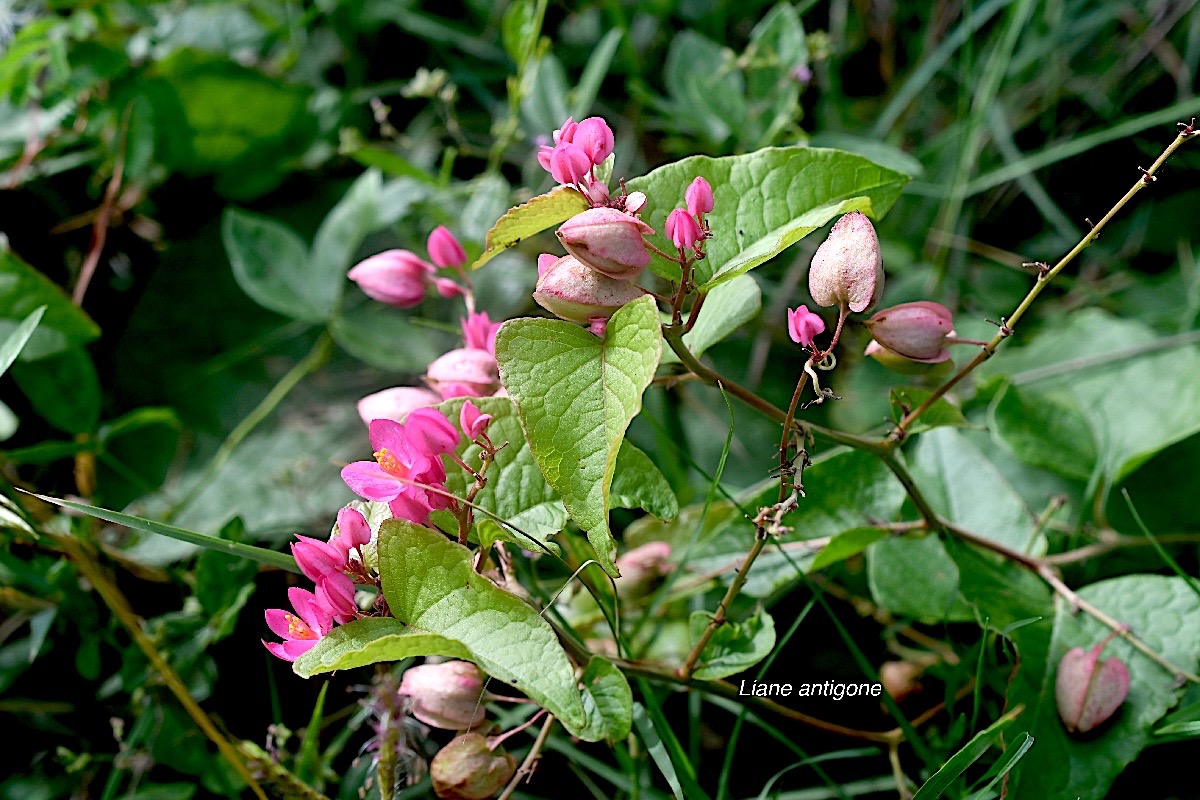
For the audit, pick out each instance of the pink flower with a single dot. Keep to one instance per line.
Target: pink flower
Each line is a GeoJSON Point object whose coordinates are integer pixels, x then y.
{"type": "Point", "coordinates": [472, 421]}
{"type": "Point", "coordinates": [569, 164]}
{"type": "Point", "coordinates": [448, 288]}
{"type": "Point", "coordinates": [335, 594]}
{"type": "Point", "coordinates": [595, 138]}
{"type": "Point", "coordinates": [567, 132]}
{"type": "Point", "coordinates": [395, 404]}
{"type": "Point", "coordinates": [407, 459]}
{"type": "Point", "coordinates": [395, 277]}
{"type": "Point", "coordinates": [699, 197]}
{"type": "Point", "coordinates": [682, 229]}
{"type": "Point", "coordinates": [317, 559]}
{"type": "Point", "coordinates": [353, 531]}
{"type": "Point", "coordinates": [479, 332]}
{"type": "Point", "coordinates": [444, 249]}
{"type": "Point", "coordinates": [803, 325]}
{"type": "Point", "coordinates": [300, 631]}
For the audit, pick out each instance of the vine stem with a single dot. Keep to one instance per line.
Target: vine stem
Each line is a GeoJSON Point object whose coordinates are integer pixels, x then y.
{"type": "Point", "coordinates": [1008, 325]}
{"type": "Point", "coordinates": [119, 605]}
{"type": "Point", "coordinates": [718, 618]}
{"type": "Point", "coordinates": [530, 762]}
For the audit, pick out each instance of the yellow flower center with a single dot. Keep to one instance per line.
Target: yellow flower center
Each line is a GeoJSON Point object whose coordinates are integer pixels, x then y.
{"type": "Point", "coordinates": [389, 464]}
{"type": "Point", "coordinates": [298, 628]}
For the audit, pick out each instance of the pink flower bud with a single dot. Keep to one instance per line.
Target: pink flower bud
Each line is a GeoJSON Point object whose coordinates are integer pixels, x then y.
{"type": "Point", "coordinates": [699, 197]}
{"type": "Point", "coordinates": [569, 164]}
{"type": "Point", "coordinates": [596, 192]}
{"type": "Point", "coordinates": [479, 332]}
{"type": "Point", "coordinates": [353, 531]}
{"type": "Point", "coordinates": [917, 331]}
{"type": "Point", "coordinates": [447, 288]}
{"type": "Point", "coordinates": [447, 695]}
{"type": "Point", "coordinates": [335, 593]}
{"type": "Point", "coordinates": [595, 137]}
{"type": "Point", "coordinates": [803, 325]}
{"type": "Point", "coordinates": [682, 229]}
{"type": "Point", "coordinates": [474, 368]}
{"type": "Point", "coordinates": [641, 567]}
{"type": "Point", "coordinates": [444, 249]}
{"type": "Point", "coordinates": [635, 202]}
{"type": "Point", "coordinates": [545, 262]}
{"type": "Point", "coordinates": [598, 327]}
{"type": "Point", "coordinates": [847, 269]}
{"type": "Point", "coordinates": [566, 132]}
{"type": "Point", "coordinates": [607, 240]}
{"type": "Point", "coordinates": [317, 559]}
{"type": "Point", "coordinates": [574, 291]}
{"type": "Point", "coordinates": [472, 422]}
{"type": "Point", "coordinates": [1088, 690]}
{"type": "Point", "coordinates": [467, 769]}
{"type": "Point", "coordinates": [394, 404]}
{"type": "Point", "coordinates": [395, 277]}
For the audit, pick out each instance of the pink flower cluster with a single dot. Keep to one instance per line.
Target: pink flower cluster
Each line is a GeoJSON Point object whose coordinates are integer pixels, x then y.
{"type": "Point", "coordinates": [468, 371]}
{"type": "Point", "coordinates": [580, 147]}
{"type": "Point", "coordinates": [400, 277]}
{"type": "Point", "coordinates": [315, 612]}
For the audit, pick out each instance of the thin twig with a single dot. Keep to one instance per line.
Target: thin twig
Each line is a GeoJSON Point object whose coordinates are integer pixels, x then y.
{"type": "Point", "coordinates": [530, 763]}
{"type": "Point", "coordinates": [1008, 324]}
{"type": "Point", "coordinates": [100, 226]}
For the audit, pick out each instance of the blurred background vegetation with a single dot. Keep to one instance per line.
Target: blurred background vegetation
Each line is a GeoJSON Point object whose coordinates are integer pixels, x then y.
{"type": "Point", "coordinates": [145, 147]}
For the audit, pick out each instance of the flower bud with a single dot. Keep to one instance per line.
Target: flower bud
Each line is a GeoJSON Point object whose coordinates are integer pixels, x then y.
{"type": "Point", "coordinates": [394, 404]}
{"type": "Point", "coordinates": [699, 197]}
{"type": "Point", "coordinates": [472, 422]}
{"type": "Point", "coordinates": [641, 567]}
{"type": "Point", "coordinates": [595, 138]}
{"type": "Point", "coordinates": [395, 277]}
{"type": "Point", "coordinates": [447, 695]}
{"type": "Point", "coordinates": [466, 366]}
{"type": "Point", "coordinates": [682, 229]}
{"type": "Point", "coordinates": [635, 202]}
{"type": "Point", "coordinates": [335, 594]}
{"type": "Point", "coordinates": [316, 558]}
{"type": "Point", "coordinates": [444, 249]}
{"type": "Point", "coordinates": [574, 291]}
{"type": "Point", "coordinates": [569, 164]}
{"type": "Point", "coordinates": [899, 678]}
{"type": "Point", "coordinates": [847, 269]}
{"type": "Point", "coordinates": [916, 331]}
{"type": "Point", "coordinates": [607, 240]}
{"type": "Point", "coordinates": [567, 132]}
{"type": "Point", "coordinates": [1088, 690]}
{"type": "Point", "coordinates": [448, 288]}
{"type": "Point", "coordinates": [803, 325]}
{"type": "Point", "coordinates": [466, 769]}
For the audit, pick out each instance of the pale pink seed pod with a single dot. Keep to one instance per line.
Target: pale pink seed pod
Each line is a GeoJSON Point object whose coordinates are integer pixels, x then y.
{"type": "Point", "coordinates": [395, 277]}
{"type": "Point", "coordinates": [1088, 691]}
{"type": "Point", "coordinates": [467, 769]}
{"type": "Point", "coordinates": [917, 331]}
{"type": "Point", "coordinates": [906, 366]}
{"type": "Point", "coordinates": [394, 404]}
{"type": "Point", "coordinates": [900, 678]}
{"type": "Point", "coordinates": [847, 269]}
{"type": "Point", "coordinates": [447, 695]}
{"type": "Point", "coordinates": [607, 240]}
{"type": "Point", "coordinates": [466, 366]}
{"type": "Point", "coordinates": [572, 290]}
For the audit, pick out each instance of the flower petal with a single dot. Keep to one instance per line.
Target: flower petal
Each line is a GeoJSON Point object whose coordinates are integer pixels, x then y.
{"type": "Point", "coordinates": [367, 479]}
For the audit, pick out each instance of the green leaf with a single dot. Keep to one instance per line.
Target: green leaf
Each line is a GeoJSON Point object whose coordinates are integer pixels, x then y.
{"type": "Point", "coordinates": [607, 699]}
{"type": "Point", "coordinates": [583, 96]}
{"type": "Point", "coordinates": [638, 483]}
{"type": "Point", "coordinates": [429, 583]}
{"type": "Point", "coordinates": [765, 201]}
{"type": "Point", "coordinates": [915, 577]}
{"type": "Point", "coordinates": [709, 102]}
{"type": "Point", "coordinates": [942, 413]}
{"type": "Point", "coordinates": [656, 749]}
{"type": "Point", "coordinates": [23, 290]}
{"type": "Point", "coordinates": [371, 641]}
{"type": "Point", "coordinates": [307, 766]}
{"type": "Point", "coordinates": [845, 545]}
{"type": "Point", "coordinates": [734, 646]}
{"type": "Point", "coordinates": [575, 396]}
{"type": "Point", "coordinates": [519, 28]}
{"type": "Point", "coordinates": [971, 752]}
{"type": "Point", "coordinates": [1136, 402]}
{"type": "Point", "coordinates": [1045, 430]}
{"type": "Point", "coordinates": [519, 223]}
{"type": "Point", "coordinates": [64, 389]}
{"type": "Point", "coordinates": [1158, 609]}
{"type": "Point", "coordinates": [267, 257]}
{"type": "Point", "coordinates": [259, 554]}
{"type": "Point", "coordinates": [727, 308]}
{"type": "Point", "coordinates": [377, 335]}
{"type": "Point", "coordinates": [15, 342]}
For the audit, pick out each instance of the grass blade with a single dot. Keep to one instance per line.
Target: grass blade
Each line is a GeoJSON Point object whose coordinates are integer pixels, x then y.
{"type": "Point", "coordinates": [16, 340]}
{"type": "Point", "coordinates": [970, 753]}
